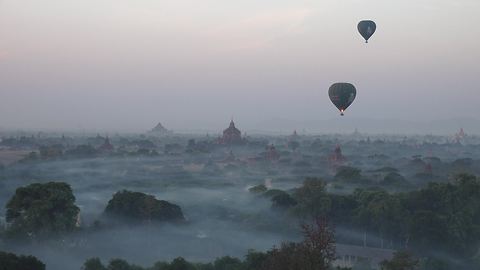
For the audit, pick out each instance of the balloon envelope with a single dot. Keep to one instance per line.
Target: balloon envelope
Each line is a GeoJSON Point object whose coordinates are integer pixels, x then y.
{"type": "Point", "coordinates": [366, 29]}
{"type": "Point", "coordinates": [342, 95]}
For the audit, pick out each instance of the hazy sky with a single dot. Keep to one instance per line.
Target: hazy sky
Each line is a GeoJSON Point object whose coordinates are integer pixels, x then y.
{"type": "Point", "coordinates": [127, 64]}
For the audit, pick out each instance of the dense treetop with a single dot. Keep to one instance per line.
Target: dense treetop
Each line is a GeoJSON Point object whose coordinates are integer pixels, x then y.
{"type": "Point", "coordinates": [140, 207]}
{"type": "Point", "coordinates": [40, 210]}
{"type": "Point", "coordinates": [10, 261]}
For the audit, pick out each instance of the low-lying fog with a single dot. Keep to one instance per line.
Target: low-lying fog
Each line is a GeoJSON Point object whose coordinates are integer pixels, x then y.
{"type": "Point", "coordinates": [223, 218]}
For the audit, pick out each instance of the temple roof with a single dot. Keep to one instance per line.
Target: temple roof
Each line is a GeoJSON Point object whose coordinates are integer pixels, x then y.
{"type": "Point", "coordinates": [232, 129]}
{"type": "Point", "coordinates": [159, 129]}
{"type": "Point", "coordinates": [231, 135]}
{"type": "Point", "coordinates": [106, 146]}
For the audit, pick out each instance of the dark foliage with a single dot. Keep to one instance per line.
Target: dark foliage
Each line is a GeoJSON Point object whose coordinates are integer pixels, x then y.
{"type": "Point", "coordinates": [442, 215]}
{"type": "Point", "coordinates": [41, 210]}
{"type": "Point", "coordinates": [315, 252]}
{"type": "Point", "coordinates": [348, 174]}
{"type": "Point", "coordinates": [139, 207]}
{"type": "Point", "coordinates": [10, 261]}
{"type": "Point", "coordinates": [283, 201]}
{"type": "Point", "coordinates": [401, 260]}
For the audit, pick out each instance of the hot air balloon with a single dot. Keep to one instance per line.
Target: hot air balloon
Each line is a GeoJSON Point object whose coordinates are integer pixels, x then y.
{"type": "Point", "coordinates": [366, 29]}
{"type": "Point", "coordinates": [342, 95]}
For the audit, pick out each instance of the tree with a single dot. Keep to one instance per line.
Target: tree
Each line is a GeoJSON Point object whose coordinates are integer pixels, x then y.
{"type": "Point", "coordinates": [181, 264]}
{"type": "Point", "coordinates": [312, 199]}
{"type": "Point", "coordinates": [380, 212]}
{"type": "Point", "coordinates": [315, 252]}
{"type": "Point", "coordinates": [475, 261]}
{"type": "Point", "coordinates": [228, 263]}
{"type": "Point", "coordinates": [255, 260]}
{"type": "Point", "coordinates": [402, 260]}
{"type": "Point", "coordinates": [395, 179]}
{"type": "Point", "coordinates": [362, 264]}
{"type": "Point", "coordinates": [160, 266]}
{"type": "Point", "coordinates": [139, 207]}
{"type": "Point", "coordinates": [435, 264]}
{"type": "Point", "coordinates": [93, 264]}
{"type": "Point", "coordinates": [283, 201]}
{"type": "Point", "coordinates": [428, 229]}
{"type": "Point", "coordinates": [259, 189]}
{"type": "Point", "coordinates": [10, 261]}
{"type": "Point", "coordinates": [40, 210]}
{"type": "Point", "coordinates": [342, 208]}
{"type": "Point", "coordinates": [318, 246]}
{"type": "Point", "coordinates": [118, 264]}
{"type": "Point", "coordinates": [348, 174]}
{"type": "Point", "coordinates": [446, 215]}
{"type": "Point", "coordinates": [283, 258]}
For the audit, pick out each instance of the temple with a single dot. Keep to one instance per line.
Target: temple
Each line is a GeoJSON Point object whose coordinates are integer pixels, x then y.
{"type": "Point", "coordinates": [460, 136]}
{"type": "Point", "coordinates": [336, 159]}
{"type": "Point", "coordinates": [271, 153]}
{"type": "Point", "coordinates": [160, 130]}
{"type": "Point", "coordinates": [231, 135]}
{"type": "Point", "coordinates": [293, 137]}
{"type": "Point", "coordinates": [106, 146]}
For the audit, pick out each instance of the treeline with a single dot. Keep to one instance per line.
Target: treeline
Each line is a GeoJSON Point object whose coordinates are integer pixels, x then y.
{"type": "Point", "coordinates": [315, 252]}
{"type": "Point", "coordinates": [261, 261]}
{"type": "Point", "coordinates": [307, 255]}
{"type": "Point", "coordinates": [443, 218]}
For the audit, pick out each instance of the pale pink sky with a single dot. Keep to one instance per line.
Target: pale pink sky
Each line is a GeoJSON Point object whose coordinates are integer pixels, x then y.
{"type": "Point", "coordinates": [126, 64]}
